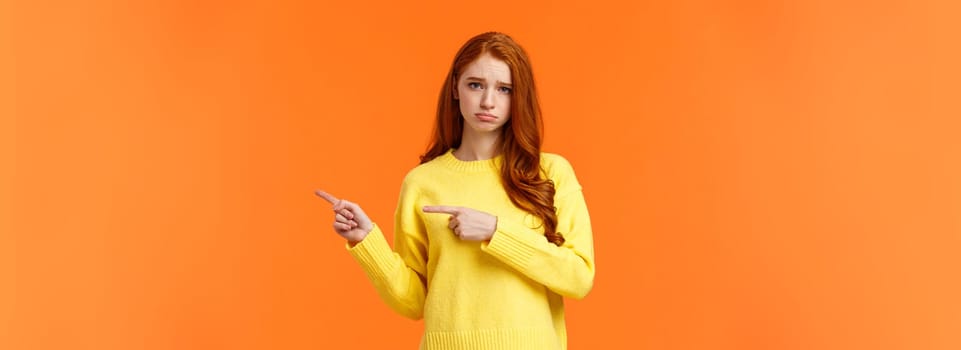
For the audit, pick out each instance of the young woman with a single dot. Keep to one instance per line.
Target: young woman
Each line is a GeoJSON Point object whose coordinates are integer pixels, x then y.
{"type": "Point", "coordinates": [490, 233]}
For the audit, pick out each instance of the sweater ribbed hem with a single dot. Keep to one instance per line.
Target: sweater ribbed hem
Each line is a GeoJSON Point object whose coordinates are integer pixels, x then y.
{"type": "Point", "coordinates": [500, 339]}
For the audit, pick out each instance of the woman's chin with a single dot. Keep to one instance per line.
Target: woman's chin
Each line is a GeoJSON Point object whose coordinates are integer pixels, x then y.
{"type": "Point", "coordinates": [485, 128]}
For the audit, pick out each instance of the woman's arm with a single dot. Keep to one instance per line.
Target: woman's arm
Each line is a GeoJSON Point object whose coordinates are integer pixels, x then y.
{"type": "Point", "coordinates": [568, 269]}
{"type": "Point", "coordinates": [398, 275]}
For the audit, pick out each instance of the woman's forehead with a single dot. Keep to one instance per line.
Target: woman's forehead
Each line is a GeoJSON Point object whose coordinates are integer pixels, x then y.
{"type": "Point", "coordinates": [487, 67]}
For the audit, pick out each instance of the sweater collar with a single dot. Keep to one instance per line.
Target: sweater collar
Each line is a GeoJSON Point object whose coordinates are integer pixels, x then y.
{"type": "Point", "coordinates": [471, 166]}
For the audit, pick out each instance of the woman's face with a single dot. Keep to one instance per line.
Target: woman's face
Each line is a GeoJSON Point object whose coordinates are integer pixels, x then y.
{"type": "Point", "coordinates": [484, 93]}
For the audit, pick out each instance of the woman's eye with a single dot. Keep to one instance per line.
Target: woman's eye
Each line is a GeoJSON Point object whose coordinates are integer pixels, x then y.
{"type": "Point", "coordinates": [474, 85]}
{"type": "Point", "coordinates": [505, 89]}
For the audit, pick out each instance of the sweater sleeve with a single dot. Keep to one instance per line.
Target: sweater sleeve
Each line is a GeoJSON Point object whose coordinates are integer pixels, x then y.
{"type": "Point", "coordinates": [398, 275]}
{"type": "Point", "coordinates": [568, 269]}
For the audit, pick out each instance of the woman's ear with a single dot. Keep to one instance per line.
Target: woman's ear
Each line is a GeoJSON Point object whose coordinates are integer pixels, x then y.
{"type": "Point", "coordinates": [456, 97]}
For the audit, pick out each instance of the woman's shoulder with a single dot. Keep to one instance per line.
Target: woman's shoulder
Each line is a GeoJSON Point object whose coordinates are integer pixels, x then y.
{"type": "Point", "coordinates": [420, 173]}
{"type": "Point", "coordinates": [559, 170]}
{"type": "Point", "coordinates": [555, 164]}
{"type": "Point", "coordinates": [424, 173]}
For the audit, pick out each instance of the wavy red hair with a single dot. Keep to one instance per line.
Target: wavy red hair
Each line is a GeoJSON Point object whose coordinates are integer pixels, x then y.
{"type": "Point", "coordinates": [520, 136]}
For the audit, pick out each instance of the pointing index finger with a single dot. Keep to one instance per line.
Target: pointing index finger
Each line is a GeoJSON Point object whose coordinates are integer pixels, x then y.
{"type": "Point", "coordinates": [443, 209]}
{"type": "Point", "coordinates": [327, 197]}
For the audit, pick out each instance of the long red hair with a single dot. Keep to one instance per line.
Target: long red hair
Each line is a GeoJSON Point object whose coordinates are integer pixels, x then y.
{"type": "Point", "coordinates": [520, 136]}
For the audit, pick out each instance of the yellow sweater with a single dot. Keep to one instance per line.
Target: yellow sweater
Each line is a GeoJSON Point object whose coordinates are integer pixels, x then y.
{"type": "Point", "coordinates": [505, 294]}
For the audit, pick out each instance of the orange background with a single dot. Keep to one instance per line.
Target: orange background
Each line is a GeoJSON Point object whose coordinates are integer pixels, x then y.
{"type": "Point", "coordinates": [760, 174]}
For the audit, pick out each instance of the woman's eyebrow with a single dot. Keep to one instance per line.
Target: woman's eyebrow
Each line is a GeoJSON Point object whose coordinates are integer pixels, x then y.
{"type": "Point", "coordinates": [484, 80]}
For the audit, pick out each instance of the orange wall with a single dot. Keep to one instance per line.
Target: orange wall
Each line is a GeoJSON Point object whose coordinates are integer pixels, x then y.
{"type": "Point", "coordinates": [761, 174]}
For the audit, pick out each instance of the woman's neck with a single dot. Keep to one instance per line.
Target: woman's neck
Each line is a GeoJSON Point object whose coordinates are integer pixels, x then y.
{"type": "Point", "coordinates": [478, 146]}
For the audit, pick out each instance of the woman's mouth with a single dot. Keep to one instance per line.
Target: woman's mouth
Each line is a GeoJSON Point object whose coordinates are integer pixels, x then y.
{"type": "Point", "coordinates": [485, 117]}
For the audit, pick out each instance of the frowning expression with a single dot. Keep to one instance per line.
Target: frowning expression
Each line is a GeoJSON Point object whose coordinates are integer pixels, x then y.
{"type": "Point", "coordinates": [484, 94]}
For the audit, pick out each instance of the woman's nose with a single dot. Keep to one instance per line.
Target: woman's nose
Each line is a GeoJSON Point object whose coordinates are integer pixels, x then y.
{"type": "Point", "coordinates": [487, 100]}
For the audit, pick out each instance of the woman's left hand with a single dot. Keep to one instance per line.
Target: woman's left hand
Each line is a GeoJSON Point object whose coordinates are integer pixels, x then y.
{"type": "Point", "coordinates": [468, 224]}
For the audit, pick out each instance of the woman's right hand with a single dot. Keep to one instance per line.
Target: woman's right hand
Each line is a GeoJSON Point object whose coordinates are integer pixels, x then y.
{"type": "Point", "coordinates": [350, 221]}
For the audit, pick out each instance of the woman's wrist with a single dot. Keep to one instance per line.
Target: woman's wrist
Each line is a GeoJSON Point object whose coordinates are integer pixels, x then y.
{"type": "Point", "coordinates": [356, 241]}
{"type": "Point", "coordinates": [493, 231]}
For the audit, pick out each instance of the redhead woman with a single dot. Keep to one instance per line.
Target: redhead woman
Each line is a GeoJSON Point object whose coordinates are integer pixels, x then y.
{"type": "Point", "coordinates": [490, 233]}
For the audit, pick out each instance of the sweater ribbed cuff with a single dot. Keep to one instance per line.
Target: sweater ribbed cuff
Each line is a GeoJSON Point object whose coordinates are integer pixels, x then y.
{"type": "Point", "coordinates": [374, 254]}
{"type": "Point", "coordinates": [514, 243]}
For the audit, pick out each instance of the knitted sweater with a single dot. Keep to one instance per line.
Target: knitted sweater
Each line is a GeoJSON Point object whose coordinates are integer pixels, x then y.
{"type": "Point", "coordinates": [503, 294]}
